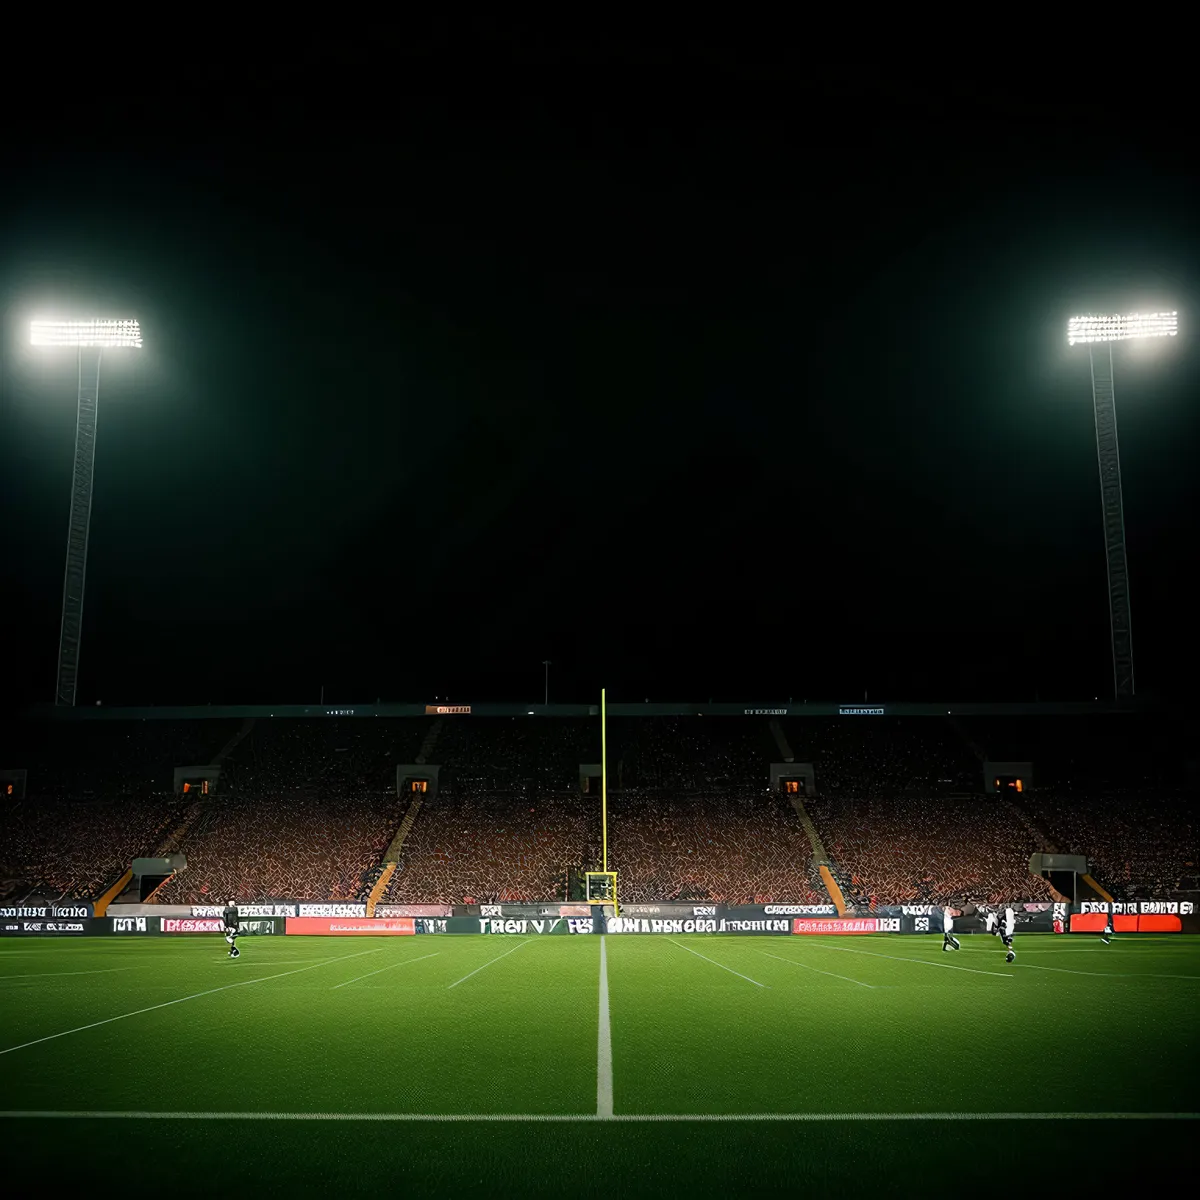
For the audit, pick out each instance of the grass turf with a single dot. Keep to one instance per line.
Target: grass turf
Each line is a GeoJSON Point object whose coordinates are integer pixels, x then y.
{"type": "Point", "coordinates": [727, 1027]}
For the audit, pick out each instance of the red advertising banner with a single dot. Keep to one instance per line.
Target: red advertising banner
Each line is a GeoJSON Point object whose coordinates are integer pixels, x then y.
{"type": "Point", "coordinates": [192, 925]}
{"type": "Point", "coordinates": [836, 925]}
{"type": "Point", "coordinates": [1126, 923]}
{"type": "Point", "coordinates": [351, 926]}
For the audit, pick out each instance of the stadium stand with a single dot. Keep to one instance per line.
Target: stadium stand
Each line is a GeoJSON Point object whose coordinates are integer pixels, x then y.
{"type": "Point", "coordinates": [307, 808]}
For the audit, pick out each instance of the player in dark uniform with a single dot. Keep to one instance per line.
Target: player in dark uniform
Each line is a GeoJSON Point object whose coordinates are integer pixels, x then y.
{"type": "Point", "coordinates": [1106, 936]}
{"type": "Point", "coordinates": [1006, 934]}
{"type": "Point", "coordinates": [231, 928]}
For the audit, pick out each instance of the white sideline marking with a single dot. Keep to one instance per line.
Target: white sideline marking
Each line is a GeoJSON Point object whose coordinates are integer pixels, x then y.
{"type": "Point", "coordinates": [1108, 974]}
{"type": "Point", "coordinates": [50, 974]}
{"type": "Point", "coordinates": [368, 975]}
{"type": "Point", "coordinates": [604, 1075]}
{"type": "Point", "coordinates": [488, 963]}
{"type": "Point", "coordinates": [818, 970]}
{"type": "Point", "coordinates": [195, 996]}
{"type": "Point", "coordinates": [922, 961]}
{"type": "Point", "coordinates": [535, 1118]}
{"type": "Point", "coordinates": [716, 964]}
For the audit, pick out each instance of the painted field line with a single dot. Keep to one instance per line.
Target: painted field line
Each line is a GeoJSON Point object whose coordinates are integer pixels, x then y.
{"type": "Point", "coordinates": [922, 961]}
{"type": "Point", "coordinates": [489, 963]}
{"type": "Point", "coordinates": [51, 974]}
{"type": "Point", "coordinates": [831, 974]}
{"type": "Point", "coordinates": [182, 999]}
{"type": "Point", "coordinates": [604, 1074]}
{"type": "Point", "coordinates": [717, 964]}
{"type": "Point", "coordinates": [585, 1118]}
{"type": "Point", "coordinates": [403, 962]}
{"type": "Point", "coordinates": [1108, 974]}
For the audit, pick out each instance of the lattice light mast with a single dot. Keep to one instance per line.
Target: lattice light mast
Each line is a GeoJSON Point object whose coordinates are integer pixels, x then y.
{"type": "Point", "coordinates": [89, 339]}
{"type": "Point", "coordinates": [1098, 333]}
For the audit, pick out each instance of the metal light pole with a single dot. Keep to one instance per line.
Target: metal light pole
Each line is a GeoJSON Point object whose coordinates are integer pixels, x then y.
{"type": "Point", "coordinates": [546, 664]}
{"type": "Point", "coordinates": [1098, 333]}
{"type": "Point", "coordinates": [89, 339]}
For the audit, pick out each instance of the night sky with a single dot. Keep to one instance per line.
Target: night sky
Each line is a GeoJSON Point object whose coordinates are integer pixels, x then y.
{"type": "Point", "coordinates": [692, 373]}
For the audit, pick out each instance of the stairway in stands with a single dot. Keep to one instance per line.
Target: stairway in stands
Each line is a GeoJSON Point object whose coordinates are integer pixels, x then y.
{"type": "Point", "coordinates": [391, 856]}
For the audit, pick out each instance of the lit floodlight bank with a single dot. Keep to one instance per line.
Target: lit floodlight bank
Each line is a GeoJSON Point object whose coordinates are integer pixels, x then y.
{"type": "Point", "coordinates": [106, 335]}
{"type": "Point", "coordinates": [1096, 328]}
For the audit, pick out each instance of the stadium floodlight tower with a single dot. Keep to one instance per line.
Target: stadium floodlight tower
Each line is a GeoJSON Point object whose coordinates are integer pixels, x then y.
{"type": "Point", "coordinates": [1098, 333]}
{"type": "Point", "coordinates": [89, 339]}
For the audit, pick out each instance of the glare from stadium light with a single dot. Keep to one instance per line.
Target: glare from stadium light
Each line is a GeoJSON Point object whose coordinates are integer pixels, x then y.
{"type": "Point", "coordinates": [105, 335]}
{"type": "Point", "coordinates": [1100, 328]}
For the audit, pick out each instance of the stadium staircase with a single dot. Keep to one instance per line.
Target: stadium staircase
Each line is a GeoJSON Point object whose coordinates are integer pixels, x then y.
{"type": "Point", "coordinates": [113, 892]}
{"type": "Point", "coordinates": [380, 886]}
{"type": "Point", "coordinates": [247, 727]}
{"type": "Point", "coordinates": [819, 856]}
{"type": "Point", "coordinates": [781, 741]}
{"type": "Point", "coordinates": [391, 856]}
{"type": "Point", "coordinates": [1045, 842]}
{"type": "Point", "coordinates": [430, 742]}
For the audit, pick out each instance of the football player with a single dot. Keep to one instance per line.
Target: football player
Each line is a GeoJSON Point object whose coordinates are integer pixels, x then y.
{"type": "Point", "coordinates": [231, 928]}
{"type": "Point", "coordinates": [949, 941]}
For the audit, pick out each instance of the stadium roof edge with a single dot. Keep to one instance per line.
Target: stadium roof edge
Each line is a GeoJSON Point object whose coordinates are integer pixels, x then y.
{"type": "Point", "coordinates": [822, 709]}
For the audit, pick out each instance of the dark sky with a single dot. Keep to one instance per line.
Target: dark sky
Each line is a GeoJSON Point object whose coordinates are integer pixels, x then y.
{"type": "Point", "coordinates": [693, 372]}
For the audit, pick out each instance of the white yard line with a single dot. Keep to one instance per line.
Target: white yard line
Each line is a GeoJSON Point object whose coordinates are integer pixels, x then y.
{"type": "Point", "coordinates": [401, 963]}
{"type": "Point", "coordinates": [195, 996]}
{"type": "Point", "coordinates": [831, 974]}
{"type": "Point", "coordinates": [717, 964]}
{"type": "Point", "coordinates": [51, 974]}
{"type": "Point", "coordinates": [604, 1074]}
{"type": "Point", "coordinates": [922, 961]}
{"type": "Point", "coordinates": [537, 1118]}
{"type": "Point", "coordinates": [1108, 974]}
{"type": "Point", "coordinates": [488, 963]}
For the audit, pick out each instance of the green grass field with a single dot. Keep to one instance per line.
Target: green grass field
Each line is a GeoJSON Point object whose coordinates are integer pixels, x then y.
{"type": "Point", "coordinates": [489, 1065]}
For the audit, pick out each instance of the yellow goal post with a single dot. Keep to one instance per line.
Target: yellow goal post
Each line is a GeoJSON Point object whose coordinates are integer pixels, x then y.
{"type": "Point", "coordinates": [600, 887]}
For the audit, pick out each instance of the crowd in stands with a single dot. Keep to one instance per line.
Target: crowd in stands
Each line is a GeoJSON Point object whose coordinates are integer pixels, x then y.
{"type": "Point", "coordinates": [929, 850]}
{"type": "Point", "coordinates": [306, 808]}
{"type": "Point", "coordinates": [725, 847]}
{"type": "Point", "coordinates": [1139, 845]}
{"type": "Point", "coordinates": [473, 845]}
{"type": "Point", "coordinates": [75, 849]}
{"type": "Point", "coordinates": [294, 844]}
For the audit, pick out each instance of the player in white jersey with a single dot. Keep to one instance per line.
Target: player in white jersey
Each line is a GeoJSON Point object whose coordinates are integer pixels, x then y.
{"type": "Point", "coordinates": [992, 924]}
{"type": "Point", "coordinates": [1006, 934]}
{"type": "Point", "coordinates": [949, 941]}
{"type": "Point", "coordinates": [1106, 936]}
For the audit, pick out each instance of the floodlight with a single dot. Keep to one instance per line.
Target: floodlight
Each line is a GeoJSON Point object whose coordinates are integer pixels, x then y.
{"type": "Point", "coordinates": [1094, 331]}
{"type": "Point", "coordinates": [1097, 328]}
{"type": "Point", "coordinates": [89, 340]}
{"type": "Point", "coordinates": [106, 335]}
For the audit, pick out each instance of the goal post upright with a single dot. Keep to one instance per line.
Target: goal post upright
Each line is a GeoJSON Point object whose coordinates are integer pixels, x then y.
{"type": "Point", "coordinates": [604, 780]}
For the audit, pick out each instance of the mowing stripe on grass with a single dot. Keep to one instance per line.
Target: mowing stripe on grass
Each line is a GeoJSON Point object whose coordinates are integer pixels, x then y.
{"type": "Point", "coordinates": [488, 964]}
{"type": "Point", "coordinates": [922, 961]}
{"type": "Point", "coordinates": [584, 1118]}
{"type": "Point", "coordinates": [401, 963]}
{"type": "Point", "coordinates": [717, 964]}
{"type": "Point", "coordinates": [1108, 974]}
{"type": "Point", "coordinates": [604, 1076]}
{"type": "Point", "coordinates": [831, 974]}
{"type": "Point", "coordinates": [195, 996]}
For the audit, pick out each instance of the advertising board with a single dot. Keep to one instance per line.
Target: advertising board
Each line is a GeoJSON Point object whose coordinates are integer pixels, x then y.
{"type": "Point", "coordinates": [23, 927]}
{"type": "Point", "coordinates": [351, 927]}
{"type": "Point", "coordinates": [624, 924]}
{"type": "Point", "coordinates": [842, 925]}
